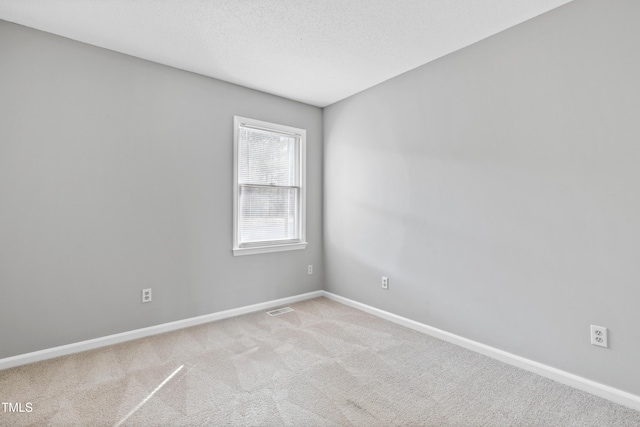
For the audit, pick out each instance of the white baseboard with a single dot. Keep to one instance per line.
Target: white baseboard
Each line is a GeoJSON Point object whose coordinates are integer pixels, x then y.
{"type": "Point", "coordinates": [63, 350]}
{"type": "Point", "coordinates": [613, 394]}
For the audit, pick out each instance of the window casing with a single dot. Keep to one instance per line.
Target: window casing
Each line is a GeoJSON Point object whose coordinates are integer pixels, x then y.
{"type": "Point", "coordinates": [269, 187]}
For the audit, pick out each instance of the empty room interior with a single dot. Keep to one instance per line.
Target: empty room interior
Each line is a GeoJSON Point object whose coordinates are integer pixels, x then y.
{"type": "Point", "coordinates": [443, 197]}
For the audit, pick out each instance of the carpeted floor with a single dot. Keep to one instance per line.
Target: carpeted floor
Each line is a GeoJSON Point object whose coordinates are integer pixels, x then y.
{"type": "Point", "coordinates": [324, 364]}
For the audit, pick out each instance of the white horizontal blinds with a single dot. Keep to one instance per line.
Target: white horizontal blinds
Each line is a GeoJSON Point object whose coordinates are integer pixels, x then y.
{"type": "Point", "coordinates": [269, 180]}
{"type": "Point", "coordinates": [268, 214]}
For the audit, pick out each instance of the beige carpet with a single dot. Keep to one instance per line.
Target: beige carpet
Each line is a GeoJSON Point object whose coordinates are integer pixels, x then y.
{"type": "Point", "coordinates": [323, 365]}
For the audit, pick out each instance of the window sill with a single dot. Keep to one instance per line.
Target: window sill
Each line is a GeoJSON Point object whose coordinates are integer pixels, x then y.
{"type": "Point", "coordinates": [266, 249]}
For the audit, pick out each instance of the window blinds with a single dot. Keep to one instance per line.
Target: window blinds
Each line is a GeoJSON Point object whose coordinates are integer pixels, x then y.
{"type": "Point", "coordinates": [269, 186]}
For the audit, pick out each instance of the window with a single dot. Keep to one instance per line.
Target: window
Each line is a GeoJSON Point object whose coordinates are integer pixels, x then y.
{"type": "Point", "coordinates": [269, 193]}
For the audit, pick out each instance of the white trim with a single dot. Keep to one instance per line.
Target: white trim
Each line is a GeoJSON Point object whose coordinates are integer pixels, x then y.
{"type": "Point", "coordinates": [266, 249]}
{"type": "Point", "coordinates": [610, 393]}
{"type": "Point", "coordinates": [613, 394]}
{"type": "Point", "coordinates": [64, 350]}
{"type": "Point", "coordinates": [301, 135]}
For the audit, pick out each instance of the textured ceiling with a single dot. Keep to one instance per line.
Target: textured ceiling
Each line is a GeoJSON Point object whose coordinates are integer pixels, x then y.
{"type": "Point", "coordinates": [314, 51]}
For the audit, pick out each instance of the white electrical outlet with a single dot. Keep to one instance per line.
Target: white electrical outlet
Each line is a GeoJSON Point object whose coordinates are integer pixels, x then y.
{"type": "Point", "coordinates": [310, 269]}
{"type": "Point", "coordinates": [599, 336]}
{"type": "Point", "coordinates": [385, 282]}
{"type": "Point", "coordinates": [146, 295]}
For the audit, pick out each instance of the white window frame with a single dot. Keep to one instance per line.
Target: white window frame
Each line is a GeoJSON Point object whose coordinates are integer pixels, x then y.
{"type": "Point", "coordinates": [258, 248]}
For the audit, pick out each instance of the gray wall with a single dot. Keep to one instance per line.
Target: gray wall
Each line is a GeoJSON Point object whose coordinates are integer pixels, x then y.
{"type": "Point", "coordinates": [116, 175]}
{"type": "Point", "coordinates": [499, 189]}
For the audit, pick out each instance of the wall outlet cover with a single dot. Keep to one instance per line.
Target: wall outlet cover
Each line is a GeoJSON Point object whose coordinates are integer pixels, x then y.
{"type": "Point", "coordinates": [599, 336]}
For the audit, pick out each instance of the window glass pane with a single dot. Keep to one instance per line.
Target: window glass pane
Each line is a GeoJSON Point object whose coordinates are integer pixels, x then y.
{"type": "Point", "coordinates": [268, 214]}
{"type": "Point", "coordinates": [267, 158]}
